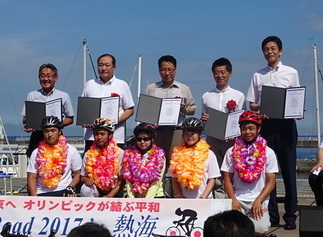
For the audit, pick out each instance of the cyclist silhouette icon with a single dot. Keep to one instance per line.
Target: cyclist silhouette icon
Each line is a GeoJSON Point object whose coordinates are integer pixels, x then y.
{"type": "Point", "coordinates": [185, 225]}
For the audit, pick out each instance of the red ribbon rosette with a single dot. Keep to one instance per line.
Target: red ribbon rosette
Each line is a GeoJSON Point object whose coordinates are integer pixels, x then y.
{"type": "Point", "coordinates": [231, 105]}
{"type": "Point", "coordinates": [114, 94]}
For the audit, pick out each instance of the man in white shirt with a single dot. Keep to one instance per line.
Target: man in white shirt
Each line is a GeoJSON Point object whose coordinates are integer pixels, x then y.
{"type": "Point", "coordinates": [218, 99]}
{"type": "Point", "coordinates": [105, 86]}
{"type": "Point", "coordinates": [281, 134]}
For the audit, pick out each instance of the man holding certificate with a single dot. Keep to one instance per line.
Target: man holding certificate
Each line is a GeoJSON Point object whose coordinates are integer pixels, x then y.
{"type": "Point", "coordinates": [222, 98]}
{"type": "Point", "coordinates": [168, 87]}
{"type": "Point", "coordinates": [107, 85]}
{"type": "Point", "coordinates": [281, 134]}
{"type": "Point", "coordinates": [48, 76]}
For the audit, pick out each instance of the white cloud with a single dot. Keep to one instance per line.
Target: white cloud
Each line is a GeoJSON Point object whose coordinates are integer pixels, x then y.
{"type": "Point", "coordinates": [315, 21]}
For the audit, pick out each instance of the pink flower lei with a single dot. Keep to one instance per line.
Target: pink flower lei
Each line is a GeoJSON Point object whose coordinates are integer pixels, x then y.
{"type": "Point", "coordinates": [102, 165]}
{"type": "Point", "coordinates": [142, 174]}
{"type": "Point", "coordinates": [249, 162]}
{"type": "Point", "coordinates": [51, 160]}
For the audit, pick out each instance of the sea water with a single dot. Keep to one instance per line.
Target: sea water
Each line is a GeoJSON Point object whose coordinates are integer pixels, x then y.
{"type": "Point", "coordinates": [306, 153]}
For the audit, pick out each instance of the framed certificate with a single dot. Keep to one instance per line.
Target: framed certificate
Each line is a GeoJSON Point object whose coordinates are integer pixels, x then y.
{"type": "Point", "coordinates": [283, 103]}
{"type": "Point", "coordinates": [89, 109]}
{"type": "Point", "coordinates": [36, 111]}
{"type": "Point", "coordinates": [154, 110]}
{"type": "Point", "coordinates": [222, 125]}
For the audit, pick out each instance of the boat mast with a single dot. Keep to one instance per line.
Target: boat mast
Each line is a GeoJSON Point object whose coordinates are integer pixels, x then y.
{"type": "Point", "coordinates": [139, 76]}
{"type": "Point", "coordinates": [84, 61]}
{"type": "Point", "coordinates": [317, 96]}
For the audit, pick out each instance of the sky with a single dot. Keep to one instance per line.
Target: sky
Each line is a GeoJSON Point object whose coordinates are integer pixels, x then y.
{"type": "Point", "coordinates": [195, 32]}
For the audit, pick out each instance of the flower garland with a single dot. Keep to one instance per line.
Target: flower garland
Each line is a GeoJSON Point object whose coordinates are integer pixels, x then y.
{"type": "Point", "coordinates": [142, 174]}
{"type": "Point", "coordinates": [188, 163]}
{"type": "Point", "coordinates": [51, 160]}
{"type": "Point", "coordinates": [102, 165]}
{"type": "Point", "coordinates": [249, 162]}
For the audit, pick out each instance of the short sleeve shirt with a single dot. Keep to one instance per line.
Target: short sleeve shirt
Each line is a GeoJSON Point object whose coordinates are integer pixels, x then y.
{"type": "Point", "coordinates": [73, 163]}
{"type": "Point", "coordinates": [97, 89]}
{"type": "Point", "coordinates": [217, 99]}
{"type": "Point", "coordinates": [281, 76]}
{"type": "Point", "coordinates": [41, 96]}
{"type": "Point", "coordinates": [178, 89]}
{"type": "Point", "coordinates": [249, 191]}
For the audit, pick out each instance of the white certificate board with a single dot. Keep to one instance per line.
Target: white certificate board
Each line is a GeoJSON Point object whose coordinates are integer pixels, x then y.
{"type": "Point", "coordinates": [158, 111]}
{"type": "Point", "coordinates": [222, 125]}
{"type": "Point", "coordinates": [89, 109]}
{"type": "Point", "coordinates": [36, 111]}
{"type": "Point", "coordinates": [283, 103]}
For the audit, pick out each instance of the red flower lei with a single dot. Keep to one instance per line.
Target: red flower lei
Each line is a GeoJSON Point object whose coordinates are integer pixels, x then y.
{"type": "Point", "coordinates": [51, 160]}
{"type": "Point", "coordinates": [231, 105]}
{"type": "Point", "coordinates": [102, 165]}
{"type": "Point", "coordinates": [142, 174]}
{"type": "Point", "coordinates": [249, 161]}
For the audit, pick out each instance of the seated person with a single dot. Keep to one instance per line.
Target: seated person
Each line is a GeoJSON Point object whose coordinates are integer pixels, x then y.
{"type": "Point", "coordinates": [101, 163]}
{"type": "Point", "coordinates": [193, 166]}
{"type": "Point", "coordinates": [316, 177]}
{"type": "Point", "coordinates": [227, 224]}
{"type": "Point", "coordinates": [90, 229]}
{"type": "Point", "coordinates": [249, 172]}
{"type": "Point", "coordinates": [53, 154]}
{"type": "Point", "coordinates": [143, 166]}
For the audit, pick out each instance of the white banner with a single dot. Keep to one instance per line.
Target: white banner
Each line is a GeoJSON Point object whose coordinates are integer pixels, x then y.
{"type": "Point", "coordinates": [125, 217]}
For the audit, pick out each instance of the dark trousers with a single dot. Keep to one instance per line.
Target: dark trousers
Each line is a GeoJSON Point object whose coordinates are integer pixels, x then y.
{"type": "Point", "coordinates": [35, 138]}
{"type": "Point", "coordinates": [52, 194]}
{"type": "Point", "coordinates": [219, 147]}
{"type": "Point", "coordinates": [281, 136]}
{"type": "Point", "coordinates": [316, 182]}
{"type": "Point", "coordinates": [167, 138]}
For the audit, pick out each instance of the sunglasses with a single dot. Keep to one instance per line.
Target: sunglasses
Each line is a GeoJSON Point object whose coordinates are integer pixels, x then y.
{"type": "Point", "coordinates": [139, 139]}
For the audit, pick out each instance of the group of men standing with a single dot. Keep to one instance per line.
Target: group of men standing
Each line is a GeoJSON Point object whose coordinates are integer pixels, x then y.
{"type": "Point", "coordinates": [281, 134]}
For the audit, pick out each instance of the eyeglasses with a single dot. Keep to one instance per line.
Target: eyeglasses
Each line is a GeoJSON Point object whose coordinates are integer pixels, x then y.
{"type": "Point", "coordinates": [42, 76]}
{"type": "Point", "coordinates": [139, 139]}
{"type": "Point", "coordinates": [272, 49]}
{"type": "Point", "coordinates": [217, 73]}
{"type": "Point", "coordinates": [164, 70]}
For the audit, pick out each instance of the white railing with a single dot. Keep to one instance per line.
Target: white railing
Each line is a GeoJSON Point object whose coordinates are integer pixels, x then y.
{"type": "Point", "coordinates": [13, 159]}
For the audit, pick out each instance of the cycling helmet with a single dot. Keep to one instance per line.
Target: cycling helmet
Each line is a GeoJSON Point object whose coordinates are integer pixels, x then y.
{"type": "Point", "coordinates": [250, 116]}
{"type": "Point", "coordinates": [193, 124]}
{"type": "Point", "coordinates": [103, 123]}
{"type": "Point", "coordinates": [147, 128]}
{"type": "Point", "coordinates": [51, 121]}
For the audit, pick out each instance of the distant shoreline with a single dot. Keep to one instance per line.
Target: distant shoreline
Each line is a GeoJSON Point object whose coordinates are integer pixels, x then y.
{"type": "Point", "coordinates": [304, 141]}
{"type": "Point", "coordinates": [306, 152]}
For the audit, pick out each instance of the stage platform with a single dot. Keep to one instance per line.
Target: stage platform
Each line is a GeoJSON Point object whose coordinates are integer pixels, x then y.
{"type": "Point", "coordinates": [305, 197]}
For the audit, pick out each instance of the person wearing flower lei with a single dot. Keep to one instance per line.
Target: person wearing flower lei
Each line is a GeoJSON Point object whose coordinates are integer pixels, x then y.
{"type": "Point", "coordinates": [250, 168]}
{"type": "Point", "coordinates": [101, 163]}
{"type": "Point", "coordinates": [193, 167]}
{"type": "Point", "coordinates": [54, 167]}
{"type": "Point", "coordinates": [143, 166]}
